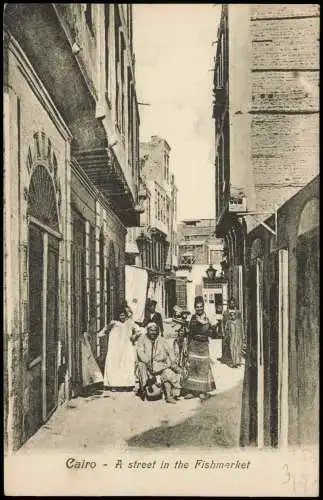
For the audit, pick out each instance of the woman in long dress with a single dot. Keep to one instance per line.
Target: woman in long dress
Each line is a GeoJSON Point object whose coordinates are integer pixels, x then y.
{"type": "Point", "coordinates": [119, 370]}
{"type": "Point", "coordinates": [199, 379]}
{"type": "Point", "coordinates": [233, 334]}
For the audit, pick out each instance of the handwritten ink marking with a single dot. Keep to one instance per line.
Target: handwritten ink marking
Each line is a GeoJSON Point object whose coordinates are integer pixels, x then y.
{"type": "Point", "coordinates": [286, 473]}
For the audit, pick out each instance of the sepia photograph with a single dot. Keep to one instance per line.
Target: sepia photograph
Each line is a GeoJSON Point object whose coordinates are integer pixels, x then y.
{"type": "Point", "coordinates": [161, 249]}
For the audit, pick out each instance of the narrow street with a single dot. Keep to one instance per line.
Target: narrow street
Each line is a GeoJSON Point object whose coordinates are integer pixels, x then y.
{"type": "Point", "coordinates": [105, 420]}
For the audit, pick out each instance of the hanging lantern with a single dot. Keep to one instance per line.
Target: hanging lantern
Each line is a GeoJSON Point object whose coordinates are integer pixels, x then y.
{"type": "Point", "coordinates": [211, 273]}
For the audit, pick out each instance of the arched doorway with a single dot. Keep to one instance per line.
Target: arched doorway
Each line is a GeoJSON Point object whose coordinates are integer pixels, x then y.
{"type": "Point", "coordinates": [307, 323]}
{"type": "Point", "coordinates": [43, 259]}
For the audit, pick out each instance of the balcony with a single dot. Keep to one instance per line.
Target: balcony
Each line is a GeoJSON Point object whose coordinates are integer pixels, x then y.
{"type": "Point", "coordinates": [46, 34]}
{"type": "Point", "coordinates": [104, 170]}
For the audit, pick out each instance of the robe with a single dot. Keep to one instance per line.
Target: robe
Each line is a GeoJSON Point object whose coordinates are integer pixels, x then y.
{"type": "Point", "coordinates": [119, 368]}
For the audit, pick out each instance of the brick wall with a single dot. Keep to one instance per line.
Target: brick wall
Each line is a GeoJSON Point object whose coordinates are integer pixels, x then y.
{"type": "Point", "coordinates": [285, 100]}
{"type": "Point", "coordinates": [284, 148]}
{"type": "Point", "coordinates": [264, 11]}
{"type": "Point", "coordinates": [285, 43]}
{"type": "Point", "coordinates": [285, 91]}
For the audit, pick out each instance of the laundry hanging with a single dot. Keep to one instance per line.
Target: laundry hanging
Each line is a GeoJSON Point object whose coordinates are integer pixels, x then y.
{"type": "Point", "coordinates": [136, 288]}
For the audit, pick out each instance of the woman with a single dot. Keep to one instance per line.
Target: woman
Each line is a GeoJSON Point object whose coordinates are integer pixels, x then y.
{"type": "Point", "coordinates": [233, 334]}
{"type": "Point", "coordinates": [119, 371]}
{"type": "Point", "coordinates": [199, 379]}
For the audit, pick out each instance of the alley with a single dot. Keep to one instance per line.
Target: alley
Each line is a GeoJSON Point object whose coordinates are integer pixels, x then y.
{"type": "Point", "coordinates": [108, 419]}
{"type": "Point", "coordinates": [105, 420]}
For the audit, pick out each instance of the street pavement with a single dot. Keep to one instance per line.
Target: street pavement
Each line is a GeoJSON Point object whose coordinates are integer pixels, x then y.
{"type": "Point", "coordinates": [107, 420]}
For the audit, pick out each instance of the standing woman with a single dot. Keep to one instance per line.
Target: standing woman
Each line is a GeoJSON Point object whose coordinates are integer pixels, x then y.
{"type": "Point", "coordinates": [119, 371]}
{"type": "Point", "coordinates": [233, 334]}
{"type": "Point", "coordinates": [199, 379]}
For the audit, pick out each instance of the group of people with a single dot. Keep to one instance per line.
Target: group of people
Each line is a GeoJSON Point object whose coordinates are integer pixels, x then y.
{"type": "Point", "coordinates": [140, 358]}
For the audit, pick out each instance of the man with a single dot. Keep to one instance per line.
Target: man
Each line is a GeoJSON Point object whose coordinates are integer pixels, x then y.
{"type": "Point", "coordinates": [156, 360]}
{"type": "Point", "coordinates": [233, 335]}
{"type": "Point", "coordinates": [152, 316]}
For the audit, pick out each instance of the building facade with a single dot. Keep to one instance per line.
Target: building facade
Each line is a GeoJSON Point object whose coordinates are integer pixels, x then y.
{"type": "Point", "coordinates": [281, 386]}
{"type": "Point", "coordinates": [266, 111]}
{"type": "Point", "coordinates": [71, 184]}
{"type": "Point", "coordinates": [152, 246]}
{"type": "Point", "coordinates": [199, 249]}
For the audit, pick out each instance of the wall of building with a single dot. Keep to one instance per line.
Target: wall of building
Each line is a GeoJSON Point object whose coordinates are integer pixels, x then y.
{"type": "Point", "coordinates": [285, 98]}
{"type": "Point", "coordinates": [155, 238]}
{"type": "Point", "coordinates": [29, 114]}
{"type": "Point", "coordinates": [241, 176]}
{"type": "Point", "coordinates": [304, 386]}
{"type": "Point", "coordinates": [272, 70]}
{"type": "Point", "coordinates": [43, 117]}
{"type": "Point", "coordinates": [299, 410]}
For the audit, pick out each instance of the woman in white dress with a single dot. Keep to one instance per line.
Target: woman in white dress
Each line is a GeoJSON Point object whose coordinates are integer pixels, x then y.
{"type": "Point", "coordinates": [119, 371]}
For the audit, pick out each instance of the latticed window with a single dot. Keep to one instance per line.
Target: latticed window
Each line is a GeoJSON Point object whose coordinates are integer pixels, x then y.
{"type": "Point", "coordinates": [92, 287]}
{"type": "Point", "coordinates": [101, 257]}
{"type": "Point", "coordinates": [181, 293]}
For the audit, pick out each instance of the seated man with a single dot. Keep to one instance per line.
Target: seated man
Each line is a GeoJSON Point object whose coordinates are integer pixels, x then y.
{"type": "Point", "coordinates": [157, 361]}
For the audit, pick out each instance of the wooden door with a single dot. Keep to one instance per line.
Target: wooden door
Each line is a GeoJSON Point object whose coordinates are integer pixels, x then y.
{"type": "Point", "coordinates": [253, 347]}
{"type": "Point", "coordinates": [260, 353]}
{"type": "Point", "coordinates": [273, 344]}
{"type": "Point", "coordinates": [79, 309]}
{"type": "Point", "coordinates": [43, 325]}
{"type": "Point", "coordinates": [51, 340]}
{"type": "Point", "coordinates": [34, 419]}
{"type": "Point", "coordinates": [307, 337]}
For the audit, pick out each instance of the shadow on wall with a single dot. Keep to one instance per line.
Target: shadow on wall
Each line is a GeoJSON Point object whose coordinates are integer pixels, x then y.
{"type": "Point", "coordinates": [216, 424]}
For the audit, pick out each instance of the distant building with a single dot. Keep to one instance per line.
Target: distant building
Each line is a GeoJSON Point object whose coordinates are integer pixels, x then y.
{"type": "Point", "coordinates": [71, 189]}
{"type": "Point", "coordinates": [152, 246]}
{"type": "Point", "coordinates": [198, 250]}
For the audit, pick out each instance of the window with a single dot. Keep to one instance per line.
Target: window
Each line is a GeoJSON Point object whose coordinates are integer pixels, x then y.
{"type": "Point", "coordinates": [188, 259]}
{"type": "Point", "coordinates": [159, 206]}
{"type": "Point", "coordinates": [130, 123]}
{"type": "Point", "coordinates": [101, 257]}
{"type": "Point", "coordinates": [92, 297]}
{"type": "Point", "coordinates": [215, 257]}
{"type": "Point", "coordinates": [89, 17]}
{"type": "Point", "coordinates": [156, 204]}
{"type": "Point", "coordinates": [148, 212]}
{"type": "Point", "coordinates": [167, 214]}
{"type": "Point", "coordinates": [107, 53]}
{"type": "Point", "coordinates": [117, 66]}
{"type": "Point", "coordinates": [122, 83]}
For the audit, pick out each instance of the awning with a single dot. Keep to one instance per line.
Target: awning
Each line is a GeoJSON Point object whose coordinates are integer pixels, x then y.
{"type": "Point", "coordinates": [132, 248]}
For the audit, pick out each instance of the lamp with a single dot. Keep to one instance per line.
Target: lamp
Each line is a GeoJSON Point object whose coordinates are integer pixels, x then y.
{"type": "Point", "coordinates": [211, 273]}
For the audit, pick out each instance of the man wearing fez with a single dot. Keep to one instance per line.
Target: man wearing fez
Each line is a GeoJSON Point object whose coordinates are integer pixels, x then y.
{"type": "Point", "coordinates": [157, 365]}
{"type": "Point", "coordinates": [152, 316]}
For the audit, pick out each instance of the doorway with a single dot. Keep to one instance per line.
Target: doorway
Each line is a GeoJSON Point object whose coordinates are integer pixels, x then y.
{"type": "Point", "coordinates": [307, 337]}
{"type": "Point", "coordinates": [272, 354]}
{"type": "Point", "coordinates": [79, 299]}
{"type": "Point", "coordinates": [43, 289]}
{"type": "Point", "coordinates": [256, 346]}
